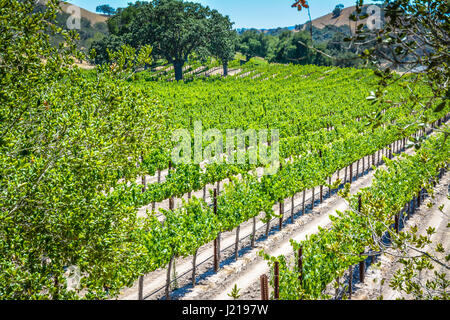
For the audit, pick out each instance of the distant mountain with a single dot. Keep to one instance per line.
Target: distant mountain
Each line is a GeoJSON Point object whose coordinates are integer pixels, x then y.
{"type": "Point", "coordinates": [342, 20]}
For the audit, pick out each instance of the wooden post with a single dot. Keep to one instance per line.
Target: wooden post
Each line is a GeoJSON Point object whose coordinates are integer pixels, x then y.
{"type": "Point", "coordinates": [397, 223]}
{"type": "Point", "coordinates": [357, 169]}
{"type": "Point", "coordinates": [362, 264]}
{"type": "Point", "coordinates": [321, 194]}
{"type": "Point", "coordinates": [303, 202]}
{"type": "Point", "coordinates": [351, 173]}
{"type": "Point", "coordinates": [418, 199]}
{"type": "Point", "coordinates": [254, 232]}
{"type": "Point", "coordinates": [216, 241]}
{"type": "Point", "coordinates": [141, 287]}
{"type": "Point", "coordinates": [345, 175]}
{"type": "Point", "coordinates": [363, 165]}
{"type": "Point", "coordinates": [292, 209]}
{"type": "Point", "coordinates": [362, 267]}
{"type": "Point", "coordinates": [264, 287]}
{"type": "Point", "coordinates": [300, 265]}
{"type": "Point", "coordinates": [194, 260]}
{"type": "Point", "coordinates": [159, 180]}
{"type": "Point", "coordinates": [359, 203]}
{"type": "Point", "coordinates": [171, 199]}
{"type": "Point", "coordinates": [329, 187]}
{"type": "Point", "coordinates": [236, 245]}
{"type": "Point", "coordinates": [144, 184]}
{"type": "Point", "coordinates": [216, 262]}
{"type": "Point", "coordinates": [169, 268]}
{"type": "Point", "coordinates": [350, 280]}
{"type": "Point", "coordinates": [171, 203]}
{"type": "Point", "coordinates": [276, 280]}
{"type": "Point", "coordinates": [281, 215]}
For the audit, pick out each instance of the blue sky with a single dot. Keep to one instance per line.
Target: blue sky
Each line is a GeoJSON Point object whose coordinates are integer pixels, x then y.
{"type": "Point", "coordinates": [248, 13]}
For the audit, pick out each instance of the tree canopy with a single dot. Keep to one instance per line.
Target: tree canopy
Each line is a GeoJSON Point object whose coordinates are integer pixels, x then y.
{"type": "Point", "coordinates": [337, 10]}
{"type": "Point", "coordinates": [176, 29]}
{"type": "Point", "coordinates": [106, 9]}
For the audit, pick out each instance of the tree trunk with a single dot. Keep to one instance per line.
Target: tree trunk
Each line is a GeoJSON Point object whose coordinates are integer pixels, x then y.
{"type": "Point", "coordinates": [303, 202]}
{"type": "Point", "coordinates": [345, 176]}
{"type": "Point", "coordinates": [236, 245]}
{"type": "Point", "coordinates": [169, 269]}
{"type": "Point", "coordinates": [218, 248]}
{"type": "Point", "coordinates": [178, 67]}
{"type": "Point", "coordinates": [194, 267]}
{"type": "Point", "coordinates": [351, 173]}
{"type": "Point", "coordinates": [329, 187]}
{"type": "Point", "coordinates": [292, 209]}
{"type": "Point", "coordinates": [363, 165]}
{"type": "Point", "coordinates": [357, 169]}
{"type": "Point", "coordinates": [225, 68]}
{"type": "Point", "coordinates": [141, 287]}
{"type": "Point", "coordinates": [254, 232]}
{"type": "Point", "coordinates": [281, 212]}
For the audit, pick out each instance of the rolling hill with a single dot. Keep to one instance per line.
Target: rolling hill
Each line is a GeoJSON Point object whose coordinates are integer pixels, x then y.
{"type": "Point", "coordinates": [92, 17]}
{"type": "Point", "coordinates": [342, 20]}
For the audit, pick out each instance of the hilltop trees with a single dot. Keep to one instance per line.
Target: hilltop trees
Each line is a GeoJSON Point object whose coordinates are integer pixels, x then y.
{"type": "Point", "coordinates": [222, 42]}
{"type": "Point", "coordinates": [106, 9]}
{"type": "Point", "coordinates": [253, 43]}
{"type": "Point", "coordinates": [337, 10]}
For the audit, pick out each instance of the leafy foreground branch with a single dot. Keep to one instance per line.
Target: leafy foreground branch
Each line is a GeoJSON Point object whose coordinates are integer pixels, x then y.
{"type": "Point", "coordinates": [65, 139]}
{"type": "Point", "coordinates": [355, 234]}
